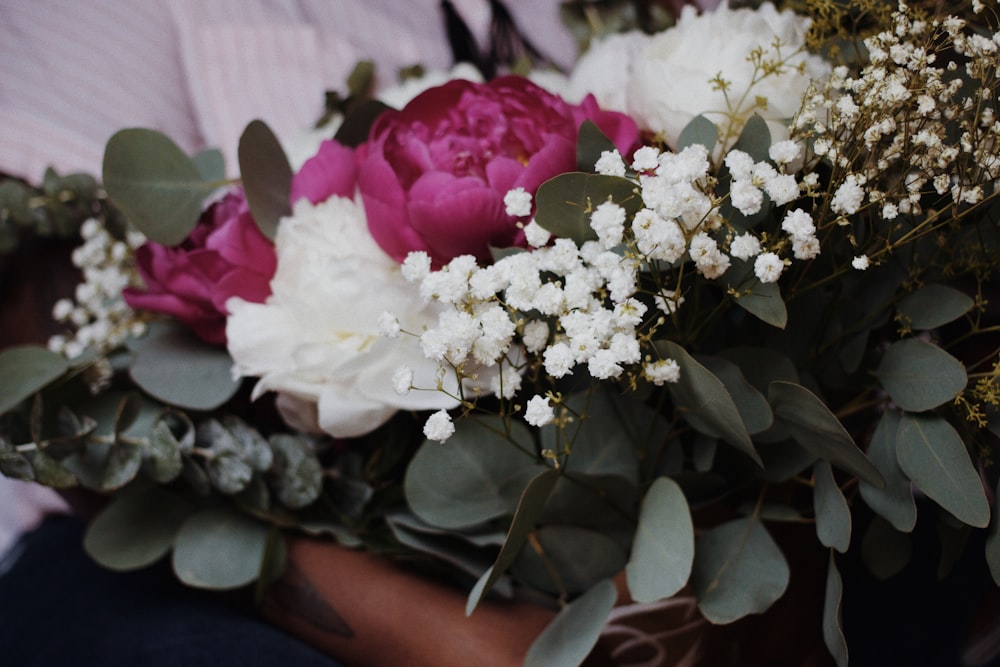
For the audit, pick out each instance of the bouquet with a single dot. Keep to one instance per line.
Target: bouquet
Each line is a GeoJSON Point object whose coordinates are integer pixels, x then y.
{"type": "Point", "coordinates": [627, 322]}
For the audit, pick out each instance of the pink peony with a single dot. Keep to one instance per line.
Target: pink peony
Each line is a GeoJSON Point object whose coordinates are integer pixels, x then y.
{"type": "Point", "coordinates": [434, 174]}
{"type": "Point", "coordinates": [225, 255]}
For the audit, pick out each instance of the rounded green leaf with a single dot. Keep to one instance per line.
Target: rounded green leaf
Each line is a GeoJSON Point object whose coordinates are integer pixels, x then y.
{"type": "Point", "coordinates": [590, 144]}
{"type": "Point", "coordinates": [573, 633]}
{"type": "Point", "coordinates": [155, 184]}
{"type": "Point", "coordinates": [931, 452]}
{"type": "Point", "coordinates": [755, 139]}
{"type": "Point", "coordinates": [699, 131]}
{"type": "Point", "coordinates": [818, 431]}
{"type": "Point", "coordinates": [210, 164]}
{"type": "Point", "coordinates": [762, 300]}
{"type": "Point", "coordinates": [993, 539]}
{"type": "Point", "coordinates": [705, 402]}
{"type": "Point", "coordinates": [175, 367]}
{"type": "Point", "coordinates": [561, 547]}
{"type": "Point", "coordinates": [136, 529]}
{"type": "Point", "coordinates": [476, 476]}
{"type": "Point", "coordinates": [833, 632]}
{"type": "Point", "coordinates": [219, 549]}
{"type": "Point", "coordinates": [894, 502]}
{"type": "Point", "coordinates": [833, 516]}
{"type": "Point", "coordinates": [266, 175]}
{"type": "Point", "coordinates": [564, 203]}
{"type": "Point", "coordinates": [885, 550]}
{"type": "Point", "coordinates": [752, 405]}
{"type": "Point", "coordinates": [920, 376]}
{"type": "Point", "coordinates": [934, 305]}
{"type": "Point", "coordinates": [26, 369]}
{"type": "Point", "coordinates": [663, 546]}
{"type": "Point", "coordinates": [297, 475]}
{"type": "Point", "coordinates": [738, 570]}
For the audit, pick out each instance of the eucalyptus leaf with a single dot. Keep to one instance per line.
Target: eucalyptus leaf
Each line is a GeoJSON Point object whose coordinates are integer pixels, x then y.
{"type": "Point", "coordinates": [122, 466]}
{"type": "Point", "coordinates": [818, 430]}
{"type": "Point", "coordinates": [934, 305]}
{"type": "Point", "coordinates": [251, 445]}
{"type": "Point", "coordinates": [993, 539]}
{"type": "Point", "coordinates": [357, 124]}
{"type": "Point", "coordinates": [920, 376]}
{"type": "Point", "coordinates": [699, 131]}
{"type": "Point", "coordinates": [885, 550]}
{"type": "Point", "coordinates": [755, 139]}
{"type": "Point", "coordinates": [163, 457]}
{"type": "Point", "coordinates": [267, 176]}
{"type": "Point", "coordinates": [590, 144]}
{"type": "Point", "coordinates": [573, 633]}
{"type": "Point", "coordinates": [752, 405]}
{"type": "Point", "coordinates": [50, 472]}
{"type": "Point", "coordinates": [228, 473]}
{"type": "Point", "coordinates": [136, 528]}
{"type": "Point", "coordinates": [210, 164]}
{"type": "Point", "coordinates": [564, 203]}
{"type": "Point", "coordinates": [833, 632]}
{"type": "Point", "coordinates": [476, 476]}
{"type": "Point", "coordinates": [705, 402]}
{"type": "Point", "coordinates": [613, 427]}
{"type": "Point", "coordinates": [529, 509]}
{"type": "Point", "coordinates": [158, 188]}
{"type": "Point", "coordinates": [27, 369]}
{"type": "Point", "coordinates": [833, 516]}
{"type": "Point", "coordinates": [297, 476]}
{"type": "Point", "coordinates": [128, 411]}
{"type": "Point", "coordinates": [931, 452]}
{"type": "Point", "coordinates": [894, 502]}
{"type": "Point", "coordinates": [219, 549]}
{"type": "Point", "coordinates": [15, 465]}
{"type": "Point", "coordinates": [551, 562]}
{"type": "Point", "coordinates": [738, 570]}
{"type": "Point", "coordinates": [175, 367]}
{"type": "Point", "coordinates": [762, 300]}
{"type": "Point", "coordinates": [663, 548]}
{"type": "Point", "coordinates": [460, 555]}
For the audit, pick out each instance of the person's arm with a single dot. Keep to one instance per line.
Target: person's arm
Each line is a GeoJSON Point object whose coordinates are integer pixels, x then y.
{"type": "Point", "coordinates": [360, 608]}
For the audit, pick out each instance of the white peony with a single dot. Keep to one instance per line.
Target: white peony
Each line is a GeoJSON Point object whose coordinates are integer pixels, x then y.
{"type": "Point", "coordinates": [316, 340]}
{"type": "Point", "coordinates": [664, 81]}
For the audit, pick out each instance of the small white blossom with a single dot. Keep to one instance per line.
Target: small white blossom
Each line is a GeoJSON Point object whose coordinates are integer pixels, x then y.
{"type": "Point", "coordinates": [645, 159]}
{"type": "Point", "coordinates": [668, 301]}
{"type": "Point", "coordinates": [539, 411]}
{"type": "Point", "coordinates": [388, 325]}
{"type": "Point", "coordinates": [536, 235]}
{"type": "Point", "coordinates": [416, 266]}
{"type": "Point", "coordinates": [849, 196]}
{"type": "Point", "coordinates": [610, 164]}
{"type": "Point", "coordinates": [535, 335]}
{"type": "Point", "coordinates": [746, 197]}
{"type": "Point", "coordinates": [402, 380]}
{"type": "Point", "coordinates": [782, 189]}
{"type": "Point", "coordinates": [517, 203]}
{"type": "Point", "coordinates": [507, 382]}
{"type": "Point", "coordinates": [798, 224]}
{"type": "Point", "coordinates": [744, 246]}
{"type": "Point", "coordinates": [608, 220]}
{"type": "Point", "coordinates": [860, 262]}
{"type": "Point", "coordinates": [805, 248]}
{"type": "Point", "coordinates": [767, 267]}
{"type": "Point", "coordinates": [740, 165]}
{"type": "Point", "coordinates": [559, 360]}
{"type": "Point", "coordinates": [439, 426]}
{"type": "Point", "coordinates": [785, 152]}
{"type": "Point", "coordinates": [662, 371]}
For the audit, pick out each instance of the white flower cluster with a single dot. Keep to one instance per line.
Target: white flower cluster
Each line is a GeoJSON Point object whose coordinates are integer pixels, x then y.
{"type": "Point", "coordinates": [98, 314]}
{"type": "Point", "coordinates": [560, 306]}
{"type": "Point", "coordinates": [904, 127]}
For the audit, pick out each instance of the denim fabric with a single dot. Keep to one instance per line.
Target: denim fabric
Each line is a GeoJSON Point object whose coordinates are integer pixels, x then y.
{"type": "Point", "coordinates": [58, 607]}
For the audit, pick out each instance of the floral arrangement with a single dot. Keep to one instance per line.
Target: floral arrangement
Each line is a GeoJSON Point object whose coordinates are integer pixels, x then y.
{"type": "Point", "coordinates": [495, 329]}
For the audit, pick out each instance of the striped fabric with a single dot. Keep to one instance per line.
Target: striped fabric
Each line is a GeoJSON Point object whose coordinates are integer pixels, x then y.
{"type": "Point", "coordinates": [72, 73]}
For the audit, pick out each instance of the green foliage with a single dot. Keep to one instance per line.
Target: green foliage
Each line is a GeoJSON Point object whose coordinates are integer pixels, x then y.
{"type": "Point", "coordinates": [663, 547]}
{"type": "Point", "coordinates": [933, 306]}
{"type": "Point", "coordinates": [919, 375]}
{"type": "Point", "coordinates": [833, 515]}
{"type": "Point", "coordinates": [158, 188]}
{"type": "Point", "coordinates": [833, 632]}
{"type": "Point", "coordinates": [267, 176]}
{"type": "Point", "coordinates": [25, 370]}
{"type": "Point", "coordinates": [699, 131]}
{"type": "Point", "coordinates": [564, 203]}
{"type": "Point", "coordinates": [219, 549]}
{"type": "Point", "coordinates": [894, 502]}
{"type": "Point", "coordinates": [175, 367]}
{"type": "Point", "coordinates": [762, 300]}
{"type": "Point", "coordinates": [931, 452]}
{"type": "Point", "coordinates": [590, 144]}
{"type": "Point", "coordinates": [575, 631]}
{"type": "Point", "coordinates": [738, 570]}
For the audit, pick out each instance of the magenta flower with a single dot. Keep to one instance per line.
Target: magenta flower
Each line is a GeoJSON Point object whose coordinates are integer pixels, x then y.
{"type": "Point", "coordinates": [225, 255]}
{"type": "Point", "coordinates": [433, 175]}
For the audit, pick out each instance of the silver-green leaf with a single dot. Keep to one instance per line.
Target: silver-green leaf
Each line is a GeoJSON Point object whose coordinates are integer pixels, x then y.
{"type": "Point", "coordinates": [26, 369]}
{"type": "Point", "coordinates": [573, 633]}
{"type": "Point", "coordinates": [894, 502]}
{"type": "Point", "coordinates": [931, 452]}
{"type": "Point", "coordinates": [833, 516]}
{"type": "Point", "coordinates": [833, 632]}
{"type": "Point", "coordinates": [934, 305]}
{"type": "Point", "coordinates": [219, 549]}
{"type": "Point", "coordinates": [663, 546]}
{"type": "Point", "coordinates": [920, 376]}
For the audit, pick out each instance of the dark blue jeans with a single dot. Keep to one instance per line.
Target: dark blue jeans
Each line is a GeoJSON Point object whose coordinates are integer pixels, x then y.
{"type": "Point", "coordinates": [58, 607]}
